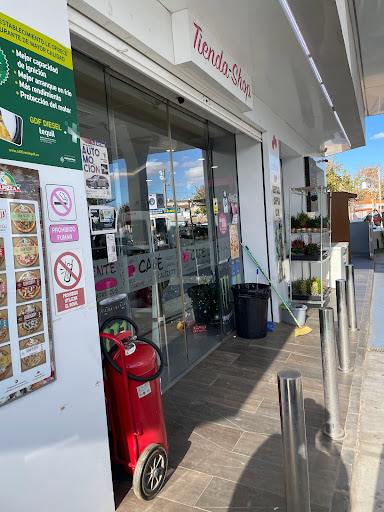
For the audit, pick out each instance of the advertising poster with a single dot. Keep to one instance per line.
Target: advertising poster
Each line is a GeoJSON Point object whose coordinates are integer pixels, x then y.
{"type": "Point", "coordinates": [94, 159]}
{"type": "Point", "coordinates": [26, 351]}
{"type": "Point", "coordinates": [234, 241]}
{"type": "Point", "coordinates": [38, 116]}
{"type": "Point", "coordinates": [103, 219]}
{"type": "Point", "coordinates": [236, 272]}
{"type": "Point", "coordinates": [274, 160]}
{"type": "Point", "coordinates": [225, 295]}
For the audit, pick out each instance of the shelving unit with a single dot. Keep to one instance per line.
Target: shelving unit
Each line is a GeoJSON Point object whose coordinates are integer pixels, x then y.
{"type": "Point", "coordinates": [310, 239]}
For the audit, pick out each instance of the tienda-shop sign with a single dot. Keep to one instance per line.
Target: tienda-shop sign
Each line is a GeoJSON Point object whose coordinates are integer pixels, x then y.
{"type": "Point", "coordinates": [196, 49]}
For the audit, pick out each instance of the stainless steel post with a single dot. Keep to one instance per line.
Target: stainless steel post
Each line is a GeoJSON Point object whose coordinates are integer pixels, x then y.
{"type": "Point", "coordinates": [351, 303]}
{"type": "Point", "coordinates": [294, 441]}
{"type": "Point", "coordinates": [343, 346]}
{"type": "Point", "coordinates": [332, 427]}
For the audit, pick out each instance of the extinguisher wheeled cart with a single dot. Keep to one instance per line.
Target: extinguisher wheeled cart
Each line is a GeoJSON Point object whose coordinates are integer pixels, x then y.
{"type": "Point", "coordinates": [135, 408]}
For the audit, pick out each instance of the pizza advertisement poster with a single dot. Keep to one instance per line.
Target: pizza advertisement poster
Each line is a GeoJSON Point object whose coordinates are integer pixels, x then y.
{"type": "Point", "coordinates": [4, 330]}
{"type": "Point", "coordinates": [23, 218]}
{"type": "Point", "coordinates": [234, 241]}
{"type": "Point", "coordinates": [6, 371]}
{"type": "Point", "coordinates": [25, 251]}
{"type": "Point", "coordinates": [32, 352]}
{"type": "Point", "coordinates": [30, 318]}
{"type": "Point", "coordinates": [26, 346]}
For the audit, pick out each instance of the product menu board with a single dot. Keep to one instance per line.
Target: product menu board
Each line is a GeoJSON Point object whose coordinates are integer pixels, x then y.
{"type": "Point", "coordinates": [26, 353]}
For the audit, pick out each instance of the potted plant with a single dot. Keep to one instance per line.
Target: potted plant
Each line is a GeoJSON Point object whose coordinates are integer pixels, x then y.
{"type": "Point", "coordinates": [205, 302]}
{"type": "Point", "coordinates": [325, 223]}
{"type": "Point", "coordinates": [311, 224]}
{"type": "Point", "coordinates": [294, 224]}
{"type": "Point", "coordinates": [303, 219]}
{"type": "Point", "coordinates": [299, 287]}
{"type": "Point", "coordinates": [312, 251]}
{"type": "Point", "coordinates": [297, 247]}
{"type": "Point", "coordinates": [317, 224]}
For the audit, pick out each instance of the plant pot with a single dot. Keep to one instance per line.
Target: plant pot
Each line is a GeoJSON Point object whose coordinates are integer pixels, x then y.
{"type": "Point", "coordinates": [205, 302]}
{"type": "Point", "coordinates": [293, 230]}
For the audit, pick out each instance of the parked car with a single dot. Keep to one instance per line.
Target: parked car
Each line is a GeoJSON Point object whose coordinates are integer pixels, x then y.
{"type": "Point", "coordinates": [97, 181]}
{"type": "Point", "coordinates": [376, 218]}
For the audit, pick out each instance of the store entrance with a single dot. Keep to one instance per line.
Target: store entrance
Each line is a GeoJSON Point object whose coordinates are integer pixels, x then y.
{"type": "Point", "coordinates": [172, 177]}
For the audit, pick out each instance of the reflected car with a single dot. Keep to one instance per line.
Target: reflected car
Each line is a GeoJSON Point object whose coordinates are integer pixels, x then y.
{"type": "Point", "coordinates": [97, 181]}
{"type": "Point", "coordinates": [376, 219]}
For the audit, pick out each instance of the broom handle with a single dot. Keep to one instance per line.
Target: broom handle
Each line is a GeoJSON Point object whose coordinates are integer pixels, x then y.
{"type": "Point", "coordinates": [246, 249]}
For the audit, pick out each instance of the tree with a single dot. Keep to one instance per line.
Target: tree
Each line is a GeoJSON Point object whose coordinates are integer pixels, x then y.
{"type": "Point", "coordinates": [338, 178]}
{"type": "Point", "coordinates": [367, 182]}
{"type": "Point", "coordinates": [199, 200]}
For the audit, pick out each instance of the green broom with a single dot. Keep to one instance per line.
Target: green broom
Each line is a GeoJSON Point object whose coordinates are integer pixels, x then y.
{"type": "Point", "coordinates": [301, 329]}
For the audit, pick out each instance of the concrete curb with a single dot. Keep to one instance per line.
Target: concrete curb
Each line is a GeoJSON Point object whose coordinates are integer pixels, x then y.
{"type": "Point", "coordinates": [341, 501]}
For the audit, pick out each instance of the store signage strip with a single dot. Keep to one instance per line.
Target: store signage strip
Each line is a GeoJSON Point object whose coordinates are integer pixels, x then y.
{"type": "Point", "coordinates": [196, 49]}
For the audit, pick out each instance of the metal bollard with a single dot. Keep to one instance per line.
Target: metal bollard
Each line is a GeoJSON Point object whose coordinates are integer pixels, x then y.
{"type": "Point", "coordinates": [332, 426]}
{"type": "Point", "coordinates": [343, 346]}
{"type": "Point", "coordinates": [351, 303]}
{"type": "Point", "coordinates": [294, 441]}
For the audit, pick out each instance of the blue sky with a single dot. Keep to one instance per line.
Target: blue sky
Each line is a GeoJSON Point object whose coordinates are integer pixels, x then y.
{"type": "Point", "coordinates": [188, 170]}
{"type": "Point", "coordinates": [372, 153]}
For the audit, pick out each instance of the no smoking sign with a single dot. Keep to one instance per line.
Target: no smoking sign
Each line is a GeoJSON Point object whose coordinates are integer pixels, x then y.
{"type": "Point", "coordinates": [61, 203]}
{"type": "Point", "coordinates": [68, 280]}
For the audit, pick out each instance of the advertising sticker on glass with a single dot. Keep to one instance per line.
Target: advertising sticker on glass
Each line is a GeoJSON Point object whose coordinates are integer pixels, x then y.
{"type": "Point", "coordinates": [103, 219]}
{"type": "Point", "coordinates": [94, 158]}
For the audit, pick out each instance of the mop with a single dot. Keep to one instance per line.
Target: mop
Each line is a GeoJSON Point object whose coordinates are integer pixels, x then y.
{"type": "Point", "coordinates": [301, 330]}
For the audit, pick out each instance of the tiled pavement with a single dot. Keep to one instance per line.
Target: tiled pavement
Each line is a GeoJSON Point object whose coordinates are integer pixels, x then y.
{"type": "Point", "coordinates": [224, 429]}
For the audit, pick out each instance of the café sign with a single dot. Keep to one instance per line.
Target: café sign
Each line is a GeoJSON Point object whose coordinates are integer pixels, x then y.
{"type": "Point", "coordinates": [197, 50]}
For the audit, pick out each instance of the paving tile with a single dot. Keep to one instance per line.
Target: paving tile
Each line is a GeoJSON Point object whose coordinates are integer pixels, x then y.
{"type": "Point", "coordinates": [185, 486]}
{"type": "Point", "coordinates": [201, 376]}
{"type": "Point", "coordinates": [221, 358]}
{"type": "Point", "coordinates": [223, 495]}
{"type": "Point", "coordinates": [245, 385]}
{"type": "Point", "coordinates": [223, 426]}
{"type": "Point", "coordinates": [191, 393]}
{"type": "Point", "coordinates": [304, 360]}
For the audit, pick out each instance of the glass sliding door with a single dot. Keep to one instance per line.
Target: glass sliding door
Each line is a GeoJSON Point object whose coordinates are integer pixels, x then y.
{"type": "Point", "coordinates": [224, 188]}
{"type": "Point", "coordinates": [146, 223]}
{"type": "Point", "coordinates": [196, 232]}
{"type": "Point", "coordinates": [174, 188]}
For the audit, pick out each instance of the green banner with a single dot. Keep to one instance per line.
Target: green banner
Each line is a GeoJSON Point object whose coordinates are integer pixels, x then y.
{"type": "Point", "coordinates": [38, 116]}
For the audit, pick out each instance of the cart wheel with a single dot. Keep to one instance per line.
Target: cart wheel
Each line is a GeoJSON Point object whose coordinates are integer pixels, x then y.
{"type": "Point", "coordinates": [150, 470]}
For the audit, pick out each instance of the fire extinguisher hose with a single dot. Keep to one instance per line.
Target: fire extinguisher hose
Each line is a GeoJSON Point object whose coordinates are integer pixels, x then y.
{"type": "Point", "coordinates": [121, 347]}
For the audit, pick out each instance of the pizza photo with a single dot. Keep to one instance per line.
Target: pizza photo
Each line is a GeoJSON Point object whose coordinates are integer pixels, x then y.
{"type": "Point", "coordinates": [28, 285]}
{"type": "Point", "coordinates": [26, 252]}
{"type": "Point", "coordinates": [5, 362]}
{"type": "Point", "coordinates": [4, 330]}
{"type": "Point", "coordinates": [23, 218]}
{"type": "Point", "coordinates": [32, 352]}
{"type": "Point", "coordinates": [30, 319]}
{"type": "Point", "coordinates": [3, 289]}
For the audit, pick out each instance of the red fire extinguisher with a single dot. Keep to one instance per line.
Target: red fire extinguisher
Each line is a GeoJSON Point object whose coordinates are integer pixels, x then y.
{"type": "Point", "coordinates": [135, 408]}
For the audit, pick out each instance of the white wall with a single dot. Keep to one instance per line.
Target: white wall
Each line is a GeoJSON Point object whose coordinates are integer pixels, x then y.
{"type": "Point", "coordinates": [293, 176]}
{"type": "Point", "coordinates": [252, 213]}
{"type": "Point", "coordinates": [55, 439]}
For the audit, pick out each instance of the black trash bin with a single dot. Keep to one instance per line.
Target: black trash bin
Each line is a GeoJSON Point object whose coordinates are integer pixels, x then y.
{"type": "Point", "coordinates": [251, 309]}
